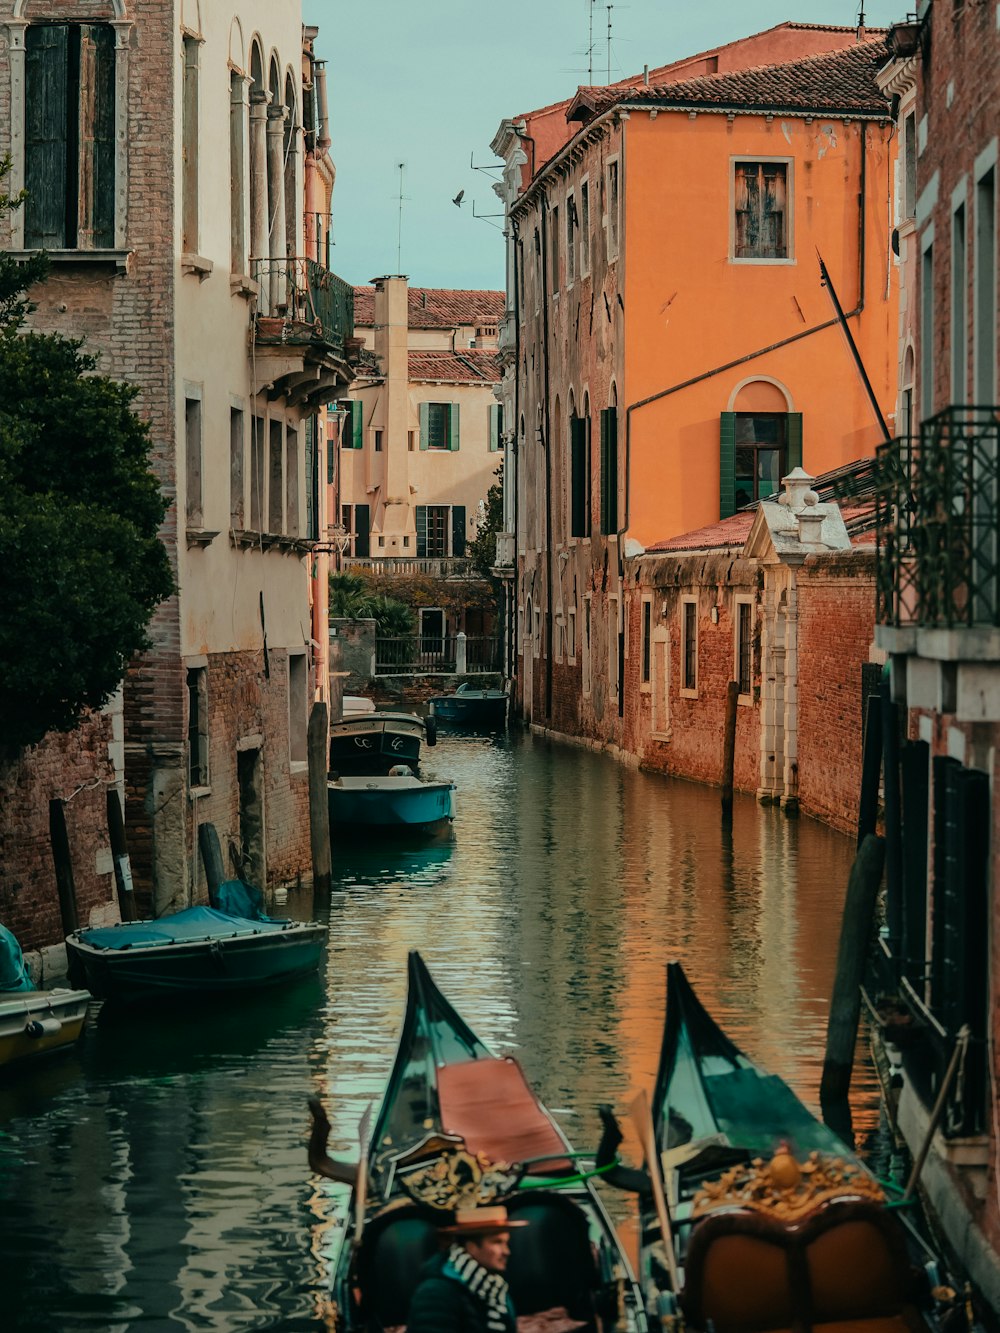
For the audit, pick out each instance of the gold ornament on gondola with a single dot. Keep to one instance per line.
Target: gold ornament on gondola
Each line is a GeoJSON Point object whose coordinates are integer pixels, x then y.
{"type": "Point", "coordinates": [786, 1188]}
{"type": "Point", "coordinates": [455, 1178]}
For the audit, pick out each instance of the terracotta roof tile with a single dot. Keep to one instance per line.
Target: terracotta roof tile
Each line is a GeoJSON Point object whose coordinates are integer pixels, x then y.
{"type": "Point", "coordinates": [471, 365]}
{"type": "Point", "coordinates": [834, 82]}
{"type": "Point", "coordinates": [436, 307]}
{"type": "Point", "coordinates": [727, 532]}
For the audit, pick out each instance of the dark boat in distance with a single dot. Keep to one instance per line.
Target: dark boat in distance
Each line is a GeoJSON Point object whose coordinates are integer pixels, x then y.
{"type": "Point", "coordinates": [447, 1091]}
{"type": "Point", "coordinates": [773, 1222]}
{"type": "Point", "coordinates": [368, 740]}
{"type": "Point", "coordinates": [469, 709]}
{"type": "Point", "coordinates": [195, 951]}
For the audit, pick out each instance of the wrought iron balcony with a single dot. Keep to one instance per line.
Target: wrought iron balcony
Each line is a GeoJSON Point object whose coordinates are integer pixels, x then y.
{"type": "Point", "coordinates": [938, 506]}
{"type": "Point", "coordinates": [302, 302]}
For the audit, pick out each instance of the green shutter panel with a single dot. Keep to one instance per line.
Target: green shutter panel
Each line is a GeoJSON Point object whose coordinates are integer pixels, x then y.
{"type": "Point", "coordinates": [604, 471]}
{"type": "Point", "coordinates": [794, 437]}
{"type": "Point", "coordinates": [578, 479]}
{"type": "Point", "coordinates": [453, 427]}
{"type": "Point", "coordinates": [45, 136]}
{"type": "Point", "coordinates": [727, 464]}
{"type": "Point", "coordinates": [97, 137]}
{"type": "Point", "coordinates": [588, 503]}
{"type": "Point", "coordinates": [494, 411]}
{"type": "Point", "coordinates": [421, 528]}
{"type": "Point", "coordinates": [425, 426]}
{"type": "Point", "coordinates": [613, 470]}
{"type": "Point", "coordinates": [458, 530]}
{"type": "Point", "coordinates": [362, 531]}
{"type": "Point", "coordinates": [357, 417]}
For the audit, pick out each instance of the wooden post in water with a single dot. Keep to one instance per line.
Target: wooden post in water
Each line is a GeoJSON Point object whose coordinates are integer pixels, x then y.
{"type": "Point", "coordinates": [871, 769]}
{"type": "Point", "coordinates": [119, 856]}
{"type": "Point", "coordinates": [319, 801]}
{"type": "Point", "coordinates": [729, 747]}
{"type": "Point", "coordinates": [65, 884]}
{"type": "Point", "coordinates": [855, 937]}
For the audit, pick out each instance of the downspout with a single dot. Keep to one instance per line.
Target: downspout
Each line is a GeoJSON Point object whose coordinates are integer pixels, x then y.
{"type": "Point", "coordinates": [512, 610]}
{"type": "Point", "coordinates": [543, 211]}
{"type": "Point", "coordinates": [761, 351]}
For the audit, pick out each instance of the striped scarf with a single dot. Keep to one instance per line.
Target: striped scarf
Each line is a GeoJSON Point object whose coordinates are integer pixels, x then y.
{"type": "Point", "coordinates": [489, 1287]}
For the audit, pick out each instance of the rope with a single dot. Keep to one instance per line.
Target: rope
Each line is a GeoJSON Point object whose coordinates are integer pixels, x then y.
{"type": "Point", "coordinates": [578, 1179]}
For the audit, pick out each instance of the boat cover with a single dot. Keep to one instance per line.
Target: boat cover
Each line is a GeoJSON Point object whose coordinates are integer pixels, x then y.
{"type": "Point", "coordinates": [13, 973]}
{"type": "Point", "coordinates": [489, 1104]}
{"type": "Point", "coordinates": [194, 923]}
{"type": "Point", "coordinates": [237, 898]}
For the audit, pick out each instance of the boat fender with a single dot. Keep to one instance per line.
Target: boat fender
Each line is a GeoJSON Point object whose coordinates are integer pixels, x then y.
{"type": "Point", "coordinates": [42, 1027]}
{"type": "Point", "coordinates": [399, 771]}
{"type": "Point", "coordinates": [431, 726]}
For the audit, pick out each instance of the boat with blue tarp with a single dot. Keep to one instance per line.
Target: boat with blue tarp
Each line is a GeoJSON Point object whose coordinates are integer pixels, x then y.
{"type": "Point", "coordinates": [197, 950]}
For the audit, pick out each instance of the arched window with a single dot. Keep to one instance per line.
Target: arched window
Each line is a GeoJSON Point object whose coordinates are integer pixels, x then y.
{"type": "Point", "coordinates": [760, 441]}
{"type": "Point", "coordinates": [609, 464]}
{"type": "Point", "coordinates": [292, 137]}
{"type": "Point", "coordinates": [579, 471]}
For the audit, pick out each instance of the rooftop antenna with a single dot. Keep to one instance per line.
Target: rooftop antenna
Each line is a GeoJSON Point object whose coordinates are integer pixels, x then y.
{"type": "Point", "coordinates": [399, 230]}
{"type": "Point", "coordinates": [610, 8]}
{"type": "Point", "coordinates": [590, 45]}
{"type": "Point", "coordinates": [861, 21]}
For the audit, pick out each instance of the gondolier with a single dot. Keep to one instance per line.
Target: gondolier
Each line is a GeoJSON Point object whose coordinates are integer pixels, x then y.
{"type": "Point", "coordinates": [464, 1290]}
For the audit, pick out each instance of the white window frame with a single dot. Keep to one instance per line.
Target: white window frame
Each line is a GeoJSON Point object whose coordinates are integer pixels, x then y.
{"type": "Point", "coordinates": [613, 224]}
{"type": "Point", "coordinates": [686, 692]}
{"type": "Point", "coordinates": [536, 632]}
{"type": "Point", "coordinates": [742, 599]}
{"type": "Point", "coordinates": [789, 163]}
{"type": "Point", "coordinates": [583, 267]}
{"type": "Point", "coordinates": [571, 636]}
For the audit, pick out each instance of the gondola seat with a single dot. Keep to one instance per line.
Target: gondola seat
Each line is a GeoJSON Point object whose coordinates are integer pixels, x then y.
{"type": "Point", "coordinates": [843, 1270]}
{"type": "Point", "coordinates": [552, 1261]}
{"type": "Point", "coordinates": [395, 1247]}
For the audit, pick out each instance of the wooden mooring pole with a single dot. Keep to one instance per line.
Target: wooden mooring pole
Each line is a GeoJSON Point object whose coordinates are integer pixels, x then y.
{"type": "Point", "coordinates": [65, 884]}
{"type": "Point", "coordinates": [729, 747]}
{"type": "Point", "coordinates": [211, 856]}
{"type": "Point", "coordinates": [855, 938]}
{"type": "Point", "coordinates": [319, 800]}
{"type": "Point", "coordinates": [119, 856]}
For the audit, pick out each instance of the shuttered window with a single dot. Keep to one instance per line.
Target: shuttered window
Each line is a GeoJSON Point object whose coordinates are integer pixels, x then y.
{"type": "Point", "coordinates": [351, 436]}
{"type": "Point", "coordinates": [440, 531]}
{"type": "Point", "coordinates": [496, 427]}
{"type": "Point", "coordinates": [579, 477]}
{"type": "Point", "coordinates": [439, 426]}
{"type": "Point", "coordinates": [609, 470]}
{"type": "Point", "coordinates": [69, 149]}
{"type": "Point", "coordinates": [755, 451]}
{"type": "Point", "coordinates": [761, 204]}
{"type": "Point", "coordinates": [362, 531]}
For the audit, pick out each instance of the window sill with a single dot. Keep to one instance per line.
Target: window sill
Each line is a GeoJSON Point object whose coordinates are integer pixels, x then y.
{"type": "Point", "coordinates": [298, 766]}
{"type": "Point", "coordinates": [243, 538]}
{"type": "Point", "coordinates": [113, 258]}
{"type": "Point", "coordinates": [197, 265]}
{"type": "Point", "coordinates": [744, 700]}
{"type": "Point", "coordinates": [645, 687]}
{"type": "Point", "coordinates": [664, 737]}
{"type": "Point", "coordinates": [197, 793]}
{"type": "Point", "coordinates": [762, 259]}
{"type": "Point", "coordinates": [200, 536]}
{"type": "Point", "coordinates": [241, 284]}
{"type": "Point", "coordinates": [688, 694]}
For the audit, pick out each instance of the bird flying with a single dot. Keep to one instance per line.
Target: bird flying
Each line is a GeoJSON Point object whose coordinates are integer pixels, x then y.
{"type": "Point", "coordinates": [457, 201]}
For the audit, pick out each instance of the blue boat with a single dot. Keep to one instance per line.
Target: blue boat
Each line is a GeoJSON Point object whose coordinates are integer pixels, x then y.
{"type": "Point", "coordinates": [397, 802]}
{"type": "Point", "coordinates": [470, 709]}
{"type": "Point", "coordinates": [197, 950]}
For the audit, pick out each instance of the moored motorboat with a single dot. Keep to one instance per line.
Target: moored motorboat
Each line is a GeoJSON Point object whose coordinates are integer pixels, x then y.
{"type": "Point", "coordinates": [772, 1222]}
{"type": "Point", "coordinates": [370, 740]}
{"type": "Point", "coordinates": [194, 951]}
{"type": "Point", "coordinates": [397, 802]}
{"type": "Point", "coordinates": [471, 709]}
{"type": "Point", "coordinates": [35, 1023]}
{"type": "Point", "coordinates": [453, 1112]}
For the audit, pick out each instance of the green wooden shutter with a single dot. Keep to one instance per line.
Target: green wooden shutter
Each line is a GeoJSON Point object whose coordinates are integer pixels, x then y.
{"type": "Point", "coordinates": [604, 471]}
{"type": "Point", "coordinates": [578, 477]}
{"type": "Point", "coordinates": [453, 427]}
{"type": "Point", "coordinates": [727, 464]}
{"type": "Point", "coordinates": [422, 525]}
{"type": "Point", "coordinates": [425, 425]}
{"type": "Point", "coordinates": [362, 531]}
{"type": "Point", "coordinates": [97, 137]}
{"type": "Point", "coordinates": [357, 420]}
{"type": "Point", "coordinates": [793, 436]}
{"type": "Point", "coordinates": [496, 419]}
{"type": "Point", "coordinates": [458, 530]}
{"type": "Point", "coordinates": [45, 136]}
{"type": "Point", "coordinates": [613, 470]}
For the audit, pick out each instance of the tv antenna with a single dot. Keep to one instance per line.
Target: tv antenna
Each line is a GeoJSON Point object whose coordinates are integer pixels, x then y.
{"type": "Point", "coordinates": [609, 9]}
{"type": "Point", "coordinates": [485, 217]}
{"type": "Point", "coordinates": [489, 171]}
{"type": "Point", "coordinates": [399, 228]}
{"type": "Point", "coordinates": [590, 45]}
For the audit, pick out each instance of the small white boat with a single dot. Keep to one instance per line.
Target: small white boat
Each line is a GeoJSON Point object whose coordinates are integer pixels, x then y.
{"type": "Point", "coordinates": [38, 1022]}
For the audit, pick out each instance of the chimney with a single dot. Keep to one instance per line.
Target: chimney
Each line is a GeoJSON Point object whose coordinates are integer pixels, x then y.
{"type": "Point", "coordinates": [324, 139]}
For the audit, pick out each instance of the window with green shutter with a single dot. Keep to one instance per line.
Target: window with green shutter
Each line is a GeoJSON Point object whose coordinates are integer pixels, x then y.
{"type": "Point", "coordinates": [756, 449]}
{"type": "Point", "coordinates": [579, 478]}
{"type": "Point", "coordinates": [351, 432]}
{"type": "Point", "coordinates": [609, 470]}
{"type": "Point", "coordinates": [496, 427]}
{"type": "Point", "coordinates": [69, 136]}
{"type": "Point", "coordinates": [439, 426]}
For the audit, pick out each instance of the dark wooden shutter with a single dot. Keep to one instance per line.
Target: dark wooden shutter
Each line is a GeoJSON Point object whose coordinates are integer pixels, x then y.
{"type": "Point", "coordinates": [96, 209]}
{"type": "Point", "coordinates": [422, 528]}
{"type": "Point", "coordinates": [45, 136]}
{"type": "Point", "coordinates": [578, 477]}
{"type": "Point", "coordinates": [727, 464]}
{"type": "Point", "coordinates": [362, 531]}
{"type": "Point", "coordinates": [793, 437]}
{"type": "Point", "coordinates": [458, 530]}
{"type": "Point", "coordinates": [609, 470]}
{"type": "Point", "coordinates": [357, 422]}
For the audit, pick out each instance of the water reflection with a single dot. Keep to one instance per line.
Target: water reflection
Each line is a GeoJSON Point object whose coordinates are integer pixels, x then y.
{"type": "Point", "coordinates": [158, 1180]}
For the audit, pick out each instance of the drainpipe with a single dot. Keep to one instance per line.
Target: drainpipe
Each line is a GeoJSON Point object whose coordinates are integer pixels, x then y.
{"type": "Point", "coordinates": [543, 211]}
{"type": "Point", "coordinates": [512, 612]}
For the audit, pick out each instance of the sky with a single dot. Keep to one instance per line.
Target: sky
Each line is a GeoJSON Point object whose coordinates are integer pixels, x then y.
{"type": "Point", "coordinates": [426, 83]}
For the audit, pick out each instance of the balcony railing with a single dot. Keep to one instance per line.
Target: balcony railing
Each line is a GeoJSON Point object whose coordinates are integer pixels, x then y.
{"type": "Point", "coordinates": [938, 504]}
{"type": "Point", "coordinates": [300, 301]}
{"type": "Point", "coordinates": [450, 567]}
{"type": "Point", "coordinates": [412, 654]}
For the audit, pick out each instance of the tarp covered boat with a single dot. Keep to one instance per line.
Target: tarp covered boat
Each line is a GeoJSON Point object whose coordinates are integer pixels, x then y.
{"type": "Point", "coordinates": [445, 1082]}
{"type": "Point", "coordinates": [775, 1223]}
{"type": "Point", "coordinates": [189, 952]}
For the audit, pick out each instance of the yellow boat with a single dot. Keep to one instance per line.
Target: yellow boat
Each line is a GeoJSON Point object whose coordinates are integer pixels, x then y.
{"type": "Point", "coordinates": [34, 1023]}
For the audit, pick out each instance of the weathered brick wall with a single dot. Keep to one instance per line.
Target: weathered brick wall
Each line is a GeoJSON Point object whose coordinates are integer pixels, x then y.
{"type": "Point", "coordinates": [836, 602]}
{"type": "Point", "coordinates": [74, 768]}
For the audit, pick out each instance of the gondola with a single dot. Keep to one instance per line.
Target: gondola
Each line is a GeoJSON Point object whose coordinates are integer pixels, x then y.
{"type": "Point", "coordinates": [447, 1090]}
{"type": "Point", "coordinates": [771, 1221]}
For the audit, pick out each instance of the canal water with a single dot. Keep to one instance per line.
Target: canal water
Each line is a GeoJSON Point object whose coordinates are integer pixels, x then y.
{"type": "Point", "coordinates": [157, 1179]}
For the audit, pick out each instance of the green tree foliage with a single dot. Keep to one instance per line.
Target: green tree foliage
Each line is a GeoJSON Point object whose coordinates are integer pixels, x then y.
{"type": "Point", "coordinates": [482, 550]}
{"type": "Point", "coordinates": [355, 598]}
{"type": "Point", "coordinates": [83, 566]}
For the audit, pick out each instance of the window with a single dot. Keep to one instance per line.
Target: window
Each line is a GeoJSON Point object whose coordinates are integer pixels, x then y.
{"type": "Point", "coordinates": [257, 474]}
{"type": "Point", "coordinates": [351, 426]}
{"type": "Point", "coordinates": [609, 470]}
{"type": "Point", "coordinates": [555, 252]}
{"type": "Point", "coordinates": [197, 692]}
{"type": "Point", "coordinates": [189, 146]}
{"type": "Point", "coordinates": [431, 630]}
{"type": "Point", "coordinates": [292, 481]}
{"type": "Point", "coordinates": [378, 441]}
{"type": "Point", "coordinates": [312, 476]}
{"type": "Point", "coordinates": [362, 531]}
{"type": "Point", "coordinates": [927, 330]}
{"type": "Point", "coordinates": [237, 451]}
{"type": "Point", "coordinates": [613, 209]}
{"type": "Point", "coordinates": [193, 462]}
{"type": "Point", "coordinates": [495, 427]}
{"type": "Point", "coordinates": [647, 623]}
{"type": "Point", "coordinates": [571, 634]}
{"type": "Point", "coordinates": [439, 426]}
{"type": "Point", "coordinates": [756, 449]}
{"type": "Point", "coordinates": [586, 644]}
{"type": "Point", "coordinates": [276, 478]}
{"type": "Point", "coordinates": [959, 327]}
{"type": "Point", "coordinates": [440, 531]}
{"type": "Point", "coordinates": [761, 210]}
{"type": "Point", "coordinates": [985, 291]}
{"type": "Point", "coordinates": [579, 464]}
{"type": "Point", "coordinates": [743, 664]}
{"type": "Point", "coordinates": [584, 229]}
{"type": "Point", "coordinates": [69, 136]}
{"type": "Point", "coordinates": [237, 174]}
{"type": "Point", "coordinates": [570, 240]}
{"type": "Point", "coordinates": [298, 708]}
{"type": "Point", "coordinates": [910, 165]}
{"type": "Point", "coordinates": [689, 646]}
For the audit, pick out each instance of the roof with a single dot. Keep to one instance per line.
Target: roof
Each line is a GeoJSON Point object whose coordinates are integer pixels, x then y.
{"type": "Point", "coordinates": [836, 82]}
{"type": "Point", "coordinates": [727, 532]}
{"type": "Point", "coordinates": [472, 365]}
{"type": "Point", "coordinates": [436, 307]}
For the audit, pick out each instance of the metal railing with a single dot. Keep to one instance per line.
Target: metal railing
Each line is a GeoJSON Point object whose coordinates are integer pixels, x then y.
{"type": "Point", "coordinates": [447, 568]}
{"type": "Point", "coordinates": [412, 654]}
{"type": "Point", "coordinates": [937, 505]}
{"type": "Point", "coordinates": [300, 301]}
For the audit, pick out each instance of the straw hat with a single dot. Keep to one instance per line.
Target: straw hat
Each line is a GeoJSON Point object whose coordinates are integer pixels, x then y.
{"type": "Point", "coordinates": [480, 1222]}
